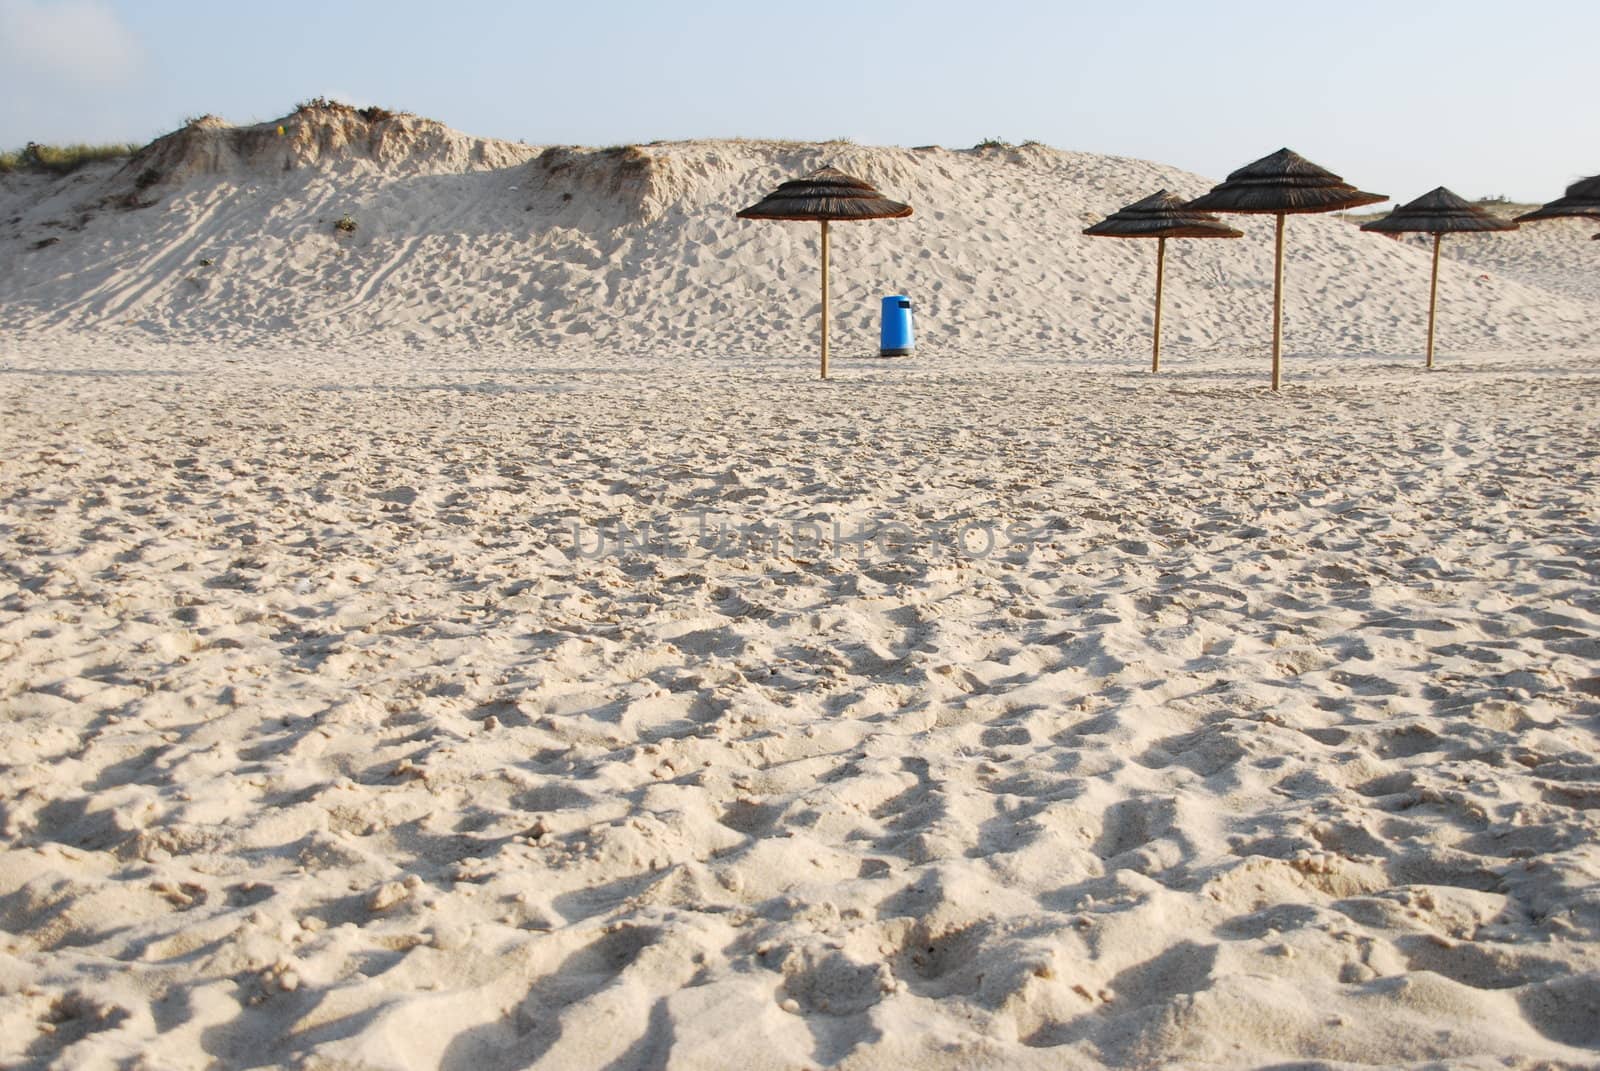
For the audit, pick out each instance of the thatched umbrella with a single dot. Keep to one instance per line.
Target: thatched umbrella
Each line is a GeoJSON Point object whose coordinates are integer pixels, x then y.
{"type": "Point", "coordinates": [1582, 201]}
{"type": "Point", "coordinates": [1160, 216]}
{"type": "Point", "coordinates": [1278, 185]}
{"type": "Point", "coordinates": [1438, 212]}
{"type": "Point", "coordinates": [825, 196]}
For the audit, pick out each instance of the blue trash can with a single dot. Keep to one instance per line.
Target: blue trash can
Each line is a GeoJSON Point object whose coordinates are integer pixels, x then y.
{"type": "Point", "coordinates": [895, 339]}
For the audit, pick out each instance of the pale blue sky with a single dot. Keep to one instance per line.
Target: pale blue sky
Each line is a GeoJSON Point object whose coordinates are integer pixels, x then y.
{"type": "Point", "coordinates": [1398, 97]}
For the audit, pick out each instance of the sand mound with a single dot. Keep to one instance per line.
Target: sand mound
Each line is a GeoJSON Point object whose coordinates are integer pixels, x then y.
{"type": "Point", "coordinates": [237, 236]}
{"type": "Point", "coordinates": [1551, 255]}
{"type": "Point", "coordinates": [320, 135]}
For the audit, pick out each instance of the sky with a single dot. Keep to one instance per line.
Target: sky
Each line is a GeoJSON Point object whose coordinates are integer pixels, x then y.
{"type": "Point", "coordinates": [1398, 97]}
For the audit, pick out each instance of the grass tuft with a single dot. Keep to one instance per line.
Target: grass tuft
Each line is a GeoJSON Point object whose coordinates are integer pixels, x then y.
{"type": "Point", "coordinates": [631, 157]}
{"type": "Point", "coordinates": [61, 159]}
{"type": "Point", "coordinates": [323, 104]}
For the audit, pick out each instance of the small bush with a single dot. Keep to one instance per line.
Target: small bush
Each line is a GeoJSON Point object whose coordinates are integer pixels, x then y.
{"type": "Point", "coordinates": [993, 143]}
{"type": "Point", "coordinates": [345, 225]}
{"type": "Point", "coordinates": [628, 157]}
{"type": "Point", "coordinates": [323, 104]}
{"type": "Point", "coordinates": [61, 159]}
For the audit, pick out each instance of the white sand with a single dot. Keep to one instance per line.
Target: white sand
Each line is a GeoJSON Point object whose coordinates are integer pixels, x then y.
{"type": "Point", "coordinates": [320, 748]}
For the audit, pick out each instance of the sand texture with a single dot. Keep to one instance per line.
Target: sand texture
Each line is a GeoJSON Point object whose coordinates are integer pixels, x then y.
{"type": "Point", "coordinates": [393, 673]}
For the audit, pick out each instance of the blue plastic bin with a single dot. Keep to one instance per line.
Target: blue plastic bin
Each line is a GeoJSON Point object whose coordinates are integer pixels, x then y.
{"type": "Point", "coordinates": [895, 339]}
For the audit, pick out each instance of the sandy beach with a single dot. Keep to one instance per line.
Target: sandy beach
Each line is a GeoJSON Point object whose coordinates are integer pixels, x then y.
{"type": "Point", "coordinates": [478, 641]}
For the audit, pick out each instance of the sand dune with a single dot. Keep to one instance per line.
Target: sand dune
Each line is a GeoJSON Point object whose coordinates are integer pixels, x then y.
{"type": "Point", "coordinates": [478, 642]}
{"type": "Point", "coordinates": [489, 242]}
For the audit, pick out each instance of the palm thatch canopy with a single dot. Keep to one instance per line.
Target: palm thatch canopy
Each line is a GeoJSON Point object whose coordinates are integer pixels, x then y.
{"type": "Point", "coordinates": [1582, 200]}
{"type": "Point", "coordinates": [1280, 183]}
{"type": "Point", "coordinates": [822, 197]}
{"type": "Point", "coordinates": [828, 194]}
{"type": "Point", "coordinates": [1161, 215]}
{"type": "Point", "coordinates": [1439, 212]}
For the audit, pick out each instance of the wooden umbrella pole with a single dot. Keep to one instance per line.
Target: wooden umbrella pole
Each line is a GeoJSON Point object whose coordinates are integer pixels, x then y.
{"type": "Point", "coordinates": [824, 299]}
{"type": "Point", "coordinates": [1161, 265]}
{"type": "Point", "coordinates": [1277, 308]}
{"type": "Point", "coordinates": [1433, 296]}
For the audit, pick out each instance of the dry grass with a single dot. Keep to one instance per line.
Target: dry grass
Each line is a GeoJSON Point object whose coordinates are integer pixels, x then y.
{"type": "Point", "coordinates": [62, 159]}
{"type": "Point", "coordinates": [323, 104]}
